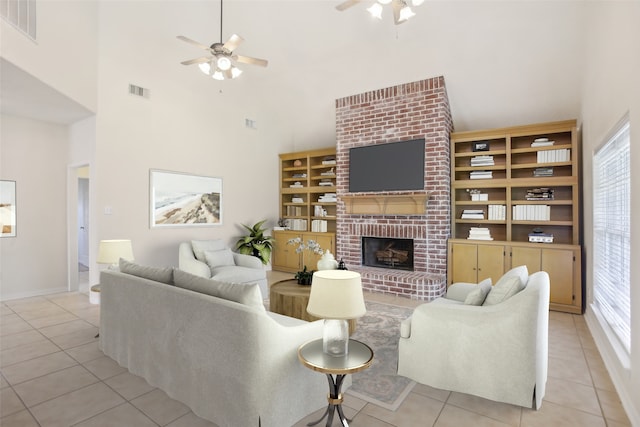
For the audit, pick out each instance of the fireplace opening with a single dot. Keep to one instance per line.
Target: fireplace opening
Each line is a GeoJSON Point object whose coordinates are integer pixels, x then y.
{"type": "Point", "coordinates": [383, 252]}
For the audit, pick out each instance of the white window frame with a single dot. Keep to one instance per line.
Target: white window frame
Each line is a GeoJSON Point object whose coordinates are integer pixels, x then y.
{"type": "Point", "coordinates": [612, 238]}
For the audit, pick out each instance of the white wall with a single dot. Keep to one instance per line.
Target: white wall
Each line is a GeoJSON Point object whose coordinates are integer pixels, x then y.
{"type": "Point", "coordinates": [612, 89]}
{"type": "Point", "coordinates": [64, 56]}
{"type": "Point", "coordinates": [34, 155]}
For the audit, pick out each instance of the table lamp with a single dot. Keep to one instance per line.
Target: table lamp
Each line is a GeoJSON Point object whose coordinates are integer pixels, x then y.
{"type": "Point", "coordinates": [336, 295]}
{"type": "Point", "coordinates": [110, 252]}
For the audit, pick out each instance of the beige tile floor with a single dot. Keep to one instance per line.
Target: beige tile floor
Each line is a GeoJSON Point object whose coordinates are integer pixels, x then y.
{"type": "Point", "coordinates": [54, 374]}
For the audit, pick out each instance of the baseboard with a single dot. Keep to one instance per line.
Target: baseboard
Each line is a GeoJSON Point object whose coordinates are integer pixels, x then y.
{"type": "Point", "coordinates": [31, 294]}
{"type": "Point", "coordinates": [613, 366]}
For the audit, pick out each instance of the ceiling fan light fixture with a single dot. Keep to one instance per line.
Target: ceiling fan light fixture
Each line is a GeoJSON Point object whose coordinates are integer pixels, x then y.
{"type": "Point", "coordinates": [405, 14]}
{"type": "Point", "coordinates": [375, 10]}
{"type": "Point", "coordinates": [217, 75]}
{"type": "Point", "coordinates": [205, 67]}
{"type": "Point", "coordinates": [384, 1]}
{"type": "Point", "coordinates": [223, 63]}
{"type": "Point", "coordinates": [417, 2]}
{"type": "Point", "coordinates": [235, 72]}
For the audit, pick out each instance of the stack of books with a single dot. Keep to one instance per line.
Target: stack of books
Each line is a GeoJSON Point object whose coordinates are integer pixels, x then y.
{"type": "Point", "coordinates": [543, 172]}
{"type": "Point", "coordinates": [297, 199]}
{"type": "Point", "coordinates": [497, 212]}
{"type": "Point", "coordinates": [294, 211]}
{"type": "Point", "coordinates": [542, 142]}
{"type": "Point", "coordinates": [328, 198]}
{"type": "Point", "coordinates": [326, 183]}
{"type": "Point", "coordinates": [329, 160]}
{"type": "Point", "coordinates": [298, 224]}
{"type": "Point", "coordinates": [472, 214]}
{"type": "Point", "coordinates": [299, 175]}
{"type": "Point", "coordinates": [319, 226]}
{"type": "Point", "coordinates": [479, 233]}
{"type": "Point", "coordinates": [296, 184]}
{"type": "Point", "coordinates": [480, 175]}
{"type": "Point", "coordinates": [482, 161]}
{"type": "Point", "coordinates": [543, 193]}
{"type": "Point", "coordinates": [531, 213]}
{"type": "Point", "coordinates": [554, 156]}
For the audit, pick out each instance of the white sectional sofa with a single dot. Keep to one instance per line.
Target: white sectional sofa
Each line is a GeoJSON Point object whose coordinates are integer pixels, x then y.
{"type": "Point", "coordinates": [232, 363]}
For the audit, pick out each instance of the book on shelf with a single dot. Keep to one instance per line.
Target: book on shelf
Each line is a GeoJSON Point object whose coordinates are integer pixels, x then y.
{"type": "Point", "coordinates": [497, 212]}
{"type": "Point", "coordinates": [554, 156]}
{"type": "Point", "coordinates": [479, 197]}
{"type": "Point", "coordinates": [330, 172]}
{"type": "Point", "coordinates": [298, 224]}
{"type": "Point", "coordinates": [472, 214]}
{"type": "Point", "coordinates": [539, 194]}
{"type": "Point", "coordinates": [329, 160]}
{"type": "Point", "coordinates": [296, 184]}
{"type": "Point", "coordinates": [294, 211]}
{"type": "Point", "coordinates": [319, 226]}
{"type": "Point", "coordinates": [299, 175]}
{"type": "Point", "coordinates": [480, 175]}
{"type": "Point", "coordinates": [542, 142]}
{"type": "Point", "coordinates": [328, 198]}
{"type": "Point", "coordinates": [297, 200]}
{"type": "Point", "coordinates": [540, 237]}
{"type": "Point", "coordinates": [325, 183]}
{"type": "Point", "coordinates": [531, 213]}
{"type": "Point", "coordinates": [479, 233]}
{"type": "Point", "coordinates": [543, 172]}
{"type": "Point", "coordinates": [482, 161]}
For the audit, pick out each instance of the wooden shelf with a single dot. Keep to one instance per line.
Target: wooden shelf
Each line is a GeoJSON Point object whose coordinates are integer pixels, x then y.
{"type": "Point", "coordinates": [411, 204]}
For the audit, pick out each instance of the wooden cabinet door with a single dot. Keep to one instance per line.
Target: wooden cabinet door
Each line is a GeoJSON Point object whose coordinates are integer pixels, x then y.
{"type": "Point", "coordinates": [490, 262]}
{"type": "Point", "coordinates": [464, 259]}
{"type": "Point", "coordinates": [531, 257]}
{"type": "Point", "coordinates": [311, 259]}
{"type": "Point", "coordinates": [284, 256]}
{"type": "Point", "coordinates": [559, 263]}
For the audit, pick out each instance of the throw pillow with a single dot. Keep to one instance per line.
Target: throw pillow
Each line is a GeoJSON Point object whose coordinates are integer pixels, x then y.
{"type": "Point", "coordinates": [244, 293]}
{"type": "Point", "coordinates": [159, 274]}
{"type": "Point", "coordinates": [201, 246]}
{"type": "Point", "coordinates": [503, 290]}
{"type": "Point", "coordinates": [219, 258]}
{"type": "Point", "coordinates": [195, 283]}
{"type": "Point", "coordinates": [477, 296]}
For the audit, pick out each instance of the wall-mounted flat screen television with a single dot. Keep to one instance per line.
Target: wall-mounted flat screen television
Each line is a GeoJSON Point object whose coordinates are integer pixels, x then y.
{"type": "Point", "coordinates": [396, 166]}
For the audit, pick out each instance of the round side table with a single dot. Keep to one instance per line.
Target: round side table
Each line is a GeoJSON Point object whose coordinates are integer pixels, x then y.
{"type": "Point", "coordinates": [359, 358]}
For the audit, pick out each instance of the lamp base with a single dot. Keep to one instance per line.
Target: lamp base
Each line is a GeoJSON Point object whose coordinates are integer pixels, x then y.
{"type": "Point", "coordinates": [335, 337]}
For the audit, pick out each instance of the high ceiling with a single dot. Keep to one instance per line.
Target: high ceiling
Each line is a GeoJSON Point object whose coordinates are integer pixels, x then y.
{"type": "Point", "coordinates": [504, 62]}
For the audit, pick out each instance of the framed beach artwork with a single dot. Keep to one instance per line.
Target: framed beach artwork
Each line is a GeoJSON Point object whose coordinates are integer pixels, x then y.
{"type": "Point", "coordinates": [8, 208]}
{"type": "Point", "coordinates": [184, 200]}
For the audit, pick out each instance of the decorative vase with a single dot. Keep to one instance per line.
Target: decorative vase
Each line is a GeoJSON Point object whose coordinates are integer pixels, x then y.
{"type": "Point", "coordinates": [327, 262]}
{"type": "Point", "coordinates": [305, 280]}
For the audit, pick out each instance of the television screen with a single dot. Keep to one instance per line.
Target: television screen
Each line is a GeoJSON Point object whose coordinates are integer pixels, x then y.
{"type": "Point", "coordinates": [397, 166]}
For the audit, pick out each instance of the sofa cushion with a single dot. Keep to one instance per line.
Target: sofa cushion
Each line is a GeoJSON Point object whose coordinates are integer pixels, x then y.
{"type": "Point", "coordinates": [237, 274]}
{"type": "Point", "coordinates": [503, 290]}
{"type": "Point", "coordinates": [201, 246]}
{"type": "Point", "coordinates": [477, 296]}
{"type": "Point", "coordinates": [219, 258]}
{"type": "Point", "coordinates": [244, 293]}
{"type": "Point", "coordinates": [159, 274]}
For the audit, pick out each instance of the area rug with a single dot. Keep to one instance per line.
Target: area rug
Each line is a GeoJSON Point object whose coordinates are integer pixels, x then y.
{"type": "Point", "coordinates": [380, 330]}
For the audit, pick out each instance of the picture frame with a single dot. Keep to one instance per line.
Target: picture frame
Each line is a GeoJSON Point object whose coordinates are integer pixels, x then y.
{"type": "Point", "coordinates": [8, 215]}
{"type": "Point", "coordinates": [481, 146]}
{"type": "Point", "coordinates": [179, 199]}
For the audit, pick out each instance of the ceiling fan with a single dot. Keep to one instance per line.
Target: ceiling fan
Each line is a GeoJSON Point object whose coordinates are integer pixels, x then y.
{"type": "Point", "coordinates": [401, 9]}
{"type": "Point", "coordinates": [220, 64]}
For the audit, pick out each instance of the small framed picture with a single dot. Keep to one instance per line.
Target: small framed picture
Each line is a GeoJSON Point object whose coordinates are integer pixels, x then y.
{"type": "Point", "coordinates": [481, 146]}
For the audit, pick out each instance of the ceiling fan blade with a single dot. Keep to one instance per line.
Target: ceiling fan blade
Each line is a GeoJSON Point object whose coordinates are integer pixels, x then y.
{"type": "Point", "coordinates": [233, 42]}
{"type": "Point", "coordinates": [193, 42]}
{"type": "Point", "coordinates": [250, 60]}
{"type": "Point", "coordinates": [347, 4]}
{"type": "Point", "coordinates": [200, 60]}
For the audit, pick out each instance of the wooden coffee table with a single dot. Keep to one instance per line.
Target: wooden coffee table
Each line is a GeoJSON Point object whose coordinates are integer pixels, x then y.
{"type": "Point", "coordinates": [288, 298]}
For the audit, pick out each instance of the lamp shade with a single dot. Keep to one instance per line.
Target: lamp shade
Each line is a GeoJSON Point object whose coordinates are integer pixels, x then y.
{"type": "Point", "coordinates": [110, 251]}
{"type": "Point", "coordinates": [336, 294]}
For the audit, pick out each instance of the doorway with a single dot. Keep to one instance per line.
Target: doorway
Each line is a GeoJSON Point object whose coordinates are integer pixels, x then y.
{"type": "Point", "coordinates": [83, 227]}
{"type": "Point", "coordinates": [78, 230]}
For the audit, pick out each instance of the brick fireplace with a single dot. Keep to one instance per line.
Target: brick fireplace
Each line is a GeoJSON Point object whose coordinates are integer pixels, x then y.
{"type": "Point", "coordinates": [417, 110]}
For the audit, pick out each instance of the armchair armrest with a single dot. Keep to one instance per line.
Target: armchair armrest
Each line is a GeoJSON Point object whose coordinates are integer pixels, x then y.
{"type": "Point", "coordinates": [247, 261]}
{"type": "Point", "coordinates": [459, 291]}
{"type": "Point", "coordinates": [188, 262]}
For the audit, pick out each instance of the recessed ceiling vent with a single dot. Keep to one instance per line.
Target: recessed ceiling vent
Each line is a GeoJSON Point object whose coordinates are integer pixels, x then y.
{"type": "Point", "coordinates": [21, 14]}
{"type": "Point", "coordinates": [138, 91]}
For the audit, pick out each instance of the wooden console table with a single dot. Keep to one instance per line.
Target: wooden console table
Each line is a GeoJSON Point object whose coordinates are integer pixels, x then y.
{"type": "Point", "coordinates": [288, 298]}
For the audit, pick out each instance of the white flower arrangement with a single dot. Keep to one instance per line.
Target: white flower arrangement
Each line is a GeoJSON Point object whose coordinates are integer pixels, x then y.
{"type": "Point", "coordinates": [310, 245]}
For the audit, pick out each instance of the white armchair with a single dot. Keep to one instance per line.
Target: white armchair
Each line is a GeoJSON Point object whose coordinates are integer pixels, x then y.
{"type": "Point", "coordinates": [213, 259]}
{"type": "Point", "coordinates": [498, 352]}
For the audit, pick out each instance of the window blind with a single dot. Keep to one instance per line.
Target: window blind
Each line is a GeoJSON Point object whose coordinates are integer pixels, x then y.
{"type": "Point", "coordinates": [612, 237]}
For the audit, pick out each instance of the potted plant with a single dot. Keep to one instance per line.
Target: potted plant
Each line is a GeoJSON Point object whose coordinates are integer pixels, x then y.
{"type": "Point", "coordinates": [304, 277]}
{"type": "Point", "coordinates": [256, 243]}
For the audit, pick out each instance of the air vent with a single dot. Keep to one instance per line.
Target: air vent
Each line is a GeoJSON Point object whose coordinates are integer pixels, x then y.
{"type": "Point", "coordinates": [21, 14]}
{"type": "Point", "coordinates": [138, 91]}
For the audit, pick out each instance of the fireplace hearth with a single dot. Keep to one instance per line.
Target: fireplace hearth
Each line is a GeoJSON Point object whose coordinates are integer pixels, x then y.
{"type": "Point", "coordinates": [396, 254]}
